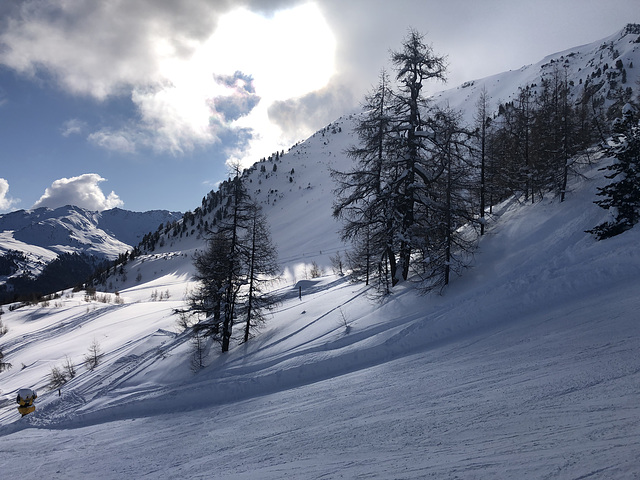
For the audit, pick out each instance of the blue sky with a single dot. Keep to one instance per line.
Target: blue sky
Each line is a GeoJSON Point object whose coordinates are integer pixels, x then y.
{"type": "Point", "coordinates": [140, 104]}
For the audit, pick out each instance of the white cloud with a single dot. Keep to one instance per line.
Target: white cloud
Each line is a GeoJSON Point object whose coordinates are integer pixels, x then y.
{"type": "Point", "coordinates": [118, 141]}
{"type": "Point", "coordinates": [6, 202]}
{"type": "Point", "coordinates": [73, 127]}
{"type": "Point", "coordinates": [82, 191]}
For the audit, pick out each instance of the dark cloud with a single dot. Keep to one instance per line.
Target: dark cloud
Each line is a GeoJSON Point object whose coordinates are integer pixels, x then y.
{"type": "Point", "coordinates": [104, 48]}
{"type": "Point", "coordinates": [233, 107]}
{"type": "Point", "coordinates": [299, 116]}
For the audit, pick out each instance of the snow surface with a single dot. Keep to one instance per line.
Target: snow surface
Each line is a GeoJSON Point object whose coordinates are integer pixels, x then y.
{"type": "Point", "coordinates": [527, 366]}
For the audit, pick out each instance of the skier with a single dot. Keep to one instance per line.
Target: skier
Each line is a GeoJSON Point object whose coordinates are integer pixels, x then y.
{"type": "Point", "coordinates": [25, 399]}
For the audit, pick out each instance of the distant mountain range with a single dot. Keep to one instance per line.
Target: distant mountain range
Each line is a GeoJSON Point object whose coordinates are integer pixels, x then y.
{"type": "Point", "coordinates": [31, 240]}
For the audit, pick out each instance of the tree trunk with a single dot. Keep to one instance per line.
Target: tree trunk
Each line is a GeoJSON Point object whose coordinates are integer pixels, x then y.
{"type": "Point", "coordinates": [252, 262]}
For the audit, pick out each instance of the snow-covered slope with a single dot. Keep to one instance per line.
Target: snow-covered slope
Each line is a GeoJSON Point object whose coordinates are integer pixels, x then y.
{"type": "Point", "coordinates": [525, 367]}
{"type": "Point", "coordinates": [298, 196]}
{"type": "Point", "coordinates": [129, 227]}
{"type": "Point", "coordinates": [295, 191]}
{"type": "Point", "coordinates": [597, 66]}
{"type": "Point", "coordinates": [63, 230]}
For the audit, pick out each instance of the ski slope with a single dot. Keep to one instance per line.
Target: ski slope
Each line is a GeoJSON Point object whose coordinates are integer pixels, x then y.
{"type": "Point", "coordinates": [525, 367]}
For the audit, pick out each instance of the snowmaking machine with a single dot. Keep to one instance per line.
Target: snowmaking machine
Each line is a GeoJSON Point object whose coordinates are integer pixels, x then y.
{"type": "Point", "coordinates": [25, 399]}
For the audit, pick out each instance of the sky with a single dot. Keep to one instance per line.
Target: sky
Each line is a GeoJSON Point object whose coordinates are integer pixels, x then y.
{"type": "Point", "coordinates": [143, 104]}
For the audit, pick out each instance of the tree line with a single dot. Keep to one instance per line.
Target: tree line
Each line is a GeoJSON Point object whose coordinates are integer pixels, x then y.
{"type": "Point", "coordinates": [423, 181]}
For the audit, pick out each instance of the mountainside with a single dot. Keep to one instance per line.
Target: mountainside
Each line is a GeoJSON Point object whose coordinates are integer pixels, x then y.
{"type": "Point", "coordinates": [295, 191]}
{"type": "Point", "coordinates": [607, 68]}
{"type": "Point", "coordinates": [525, 366]}
{"type": "Point", "coordinates": [290, 185]}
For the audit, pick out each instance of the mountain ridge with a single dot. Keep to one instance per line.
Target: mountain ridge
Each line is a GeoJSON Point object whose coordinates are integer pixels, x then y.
{"type": "Point", "coordinates": [32, 239]}
{"type": "Point", "coordinates": [580, 63]}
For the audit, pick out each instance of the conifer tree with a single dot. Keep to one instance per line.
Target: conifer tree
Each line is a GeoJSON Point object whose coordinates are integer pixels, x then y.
{"type": "Point", "coordinates": [482, 122]}
{"type": "Point", "coordinates": [414, 64]}
{"type": "Point", "coordinates": [235, 268]}
{"type": "Point", "coordinates": [234, 278]}
{"type": "Point", "coordinates": [449, 205]}
{"type": "Point", "coordinates": [409, 191]}
{"type": "Point", "coordinates": [261, 268]}
{"type": "Point", "coordinates": [622, 195]}
{"type": "Point", "coordinates": [504, 168]}
{"type": "Point", "coordinates": [93, 358]}
{"type": "Point", "coordinates": [362, 196]}
{"type": "Point", "coordinates": [212, 268]}
{"type": "Point", "coordinates": [526, 173]}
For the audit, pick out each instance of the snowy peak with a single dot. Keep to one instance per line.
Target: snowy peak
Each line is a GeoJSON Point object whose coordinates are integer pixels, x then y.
{"type": "Point", "coordinates": [73, 229]}
{"type": "Point", "coordinates": [32, 239]}
{"type": "Point", "coordinates": [130, 227]}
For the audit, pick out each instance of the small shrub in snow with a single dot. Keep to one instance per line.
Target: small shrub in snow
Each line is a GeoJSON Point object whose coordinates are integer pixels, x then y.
{"type": "Point", "coordinates": [337, 264]}
{"type": "Point", "coordinates": [57, 378]}
{"type": "Point", "coordinates": [90, 294]}
{"type": "Point", "coordinates": [92, 359]}
{"type": "Point", "coordinates": [105, 298]}
{"type": "Point", "coordinates": [316, 270]}
{"type": "Point", "coordinates": [199, 351]}
{"type": "Point", "coordinates": [344, 321]}
{"type": "Point", "coordinates": [69, 368]}
{"type": "Point", "coordinates": [4, 365]}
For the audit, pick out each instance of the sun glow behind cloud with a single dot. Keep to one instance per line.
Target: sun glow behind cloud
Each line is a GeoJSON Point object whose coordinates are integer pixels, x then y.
{"type": "Point", "coordinates": [288, 54]}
